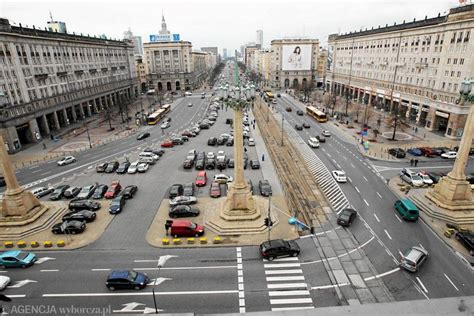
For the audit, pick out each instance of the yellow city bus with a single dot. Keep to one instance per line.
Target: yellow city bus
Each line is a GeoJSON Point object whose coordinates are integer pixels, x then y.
{"type": "Point", "coordinates": [318, 115]}
{"type": "Point", "coordinates": [166, 107]}
{"type": "Point", "coordinates": [155, 117]}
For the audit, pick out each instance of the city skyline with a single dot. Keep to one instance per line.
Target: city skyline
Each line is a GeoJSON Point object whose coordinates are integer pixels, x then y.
{"type": "Point", "coordinates": [201, 23]}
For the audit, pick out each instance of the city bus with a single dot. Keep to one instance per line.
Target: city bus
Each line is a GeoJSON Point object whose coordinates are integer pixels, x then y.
{"type": "Point", "coordinates": [166, 107]}
{"type": "Point", "coordinates": [318, 115]}
{"type": "Point", "coordinates": [155, 117]}
{"type": "Point", "coordinates": [269, 95]}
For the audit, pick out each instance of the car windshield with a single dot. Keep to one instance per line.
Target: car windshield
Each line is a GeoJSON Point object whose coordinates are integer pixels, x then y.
{"type": "Point", "coordinates": [22, 255]}
{"type": "Point", "coordinates": [416, 178]}
{"type": "Point", "coordinates": [132, 275]}
{"type": "Point", "coordinates": [115, 203]}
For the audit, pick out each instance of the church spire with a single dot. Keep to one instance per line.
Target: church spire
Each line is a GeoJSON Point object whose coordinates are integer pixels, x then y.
{"type": "Point", "coordinates": [164, 29]}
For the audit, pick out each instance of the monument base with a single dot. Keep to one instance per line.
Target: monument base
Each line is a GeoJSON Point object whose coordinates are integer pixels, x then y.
{"type": "Point", "coordinates": [239, 205]}
{"type": "Point", "coordinates": [19, 203]}
{"type": "Point", "coordinates": [452, 194]}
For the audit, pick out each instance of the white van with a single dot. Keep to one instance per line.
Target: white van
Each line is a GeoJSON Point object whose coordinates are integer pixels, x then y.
{"type": "Point", "coordinates": [148, 155]}
{"type": "Point", "coordinates": [313, 142]}
{"type": "Point", "coordinates": [148, 160]}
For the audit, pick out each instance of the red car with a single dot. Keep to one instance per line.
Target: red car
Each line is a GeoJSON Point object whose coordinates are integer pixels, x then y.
{"type": "Point", "coordinates": [201, 179]}
{"type": "Point", "coordinates": [215, 190]}
{"type": "Point", "coordinates": [167, 143]}
{"type": "Point", "coordinates": [187, 133]}
{"type": "Point", "coordinates": [113, 190]}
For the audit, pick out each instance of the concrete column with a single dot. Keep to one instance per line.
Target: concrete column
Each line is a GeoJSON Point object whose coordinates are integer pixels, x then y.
{"type": "Point", "coordinates": [88, 108]}
{"type": "Point", "coordinates": [56, 121]}
{"type": "Point", "coordinates": [66, 119]}
{"type": "Point", "coordinates": [81, 111]}
{"type": "Point", "coordinates": [45, 124]}
{"type": "Point", "coordinates": [74, 114]}
{"type": "Point", "coordinates": [96, 108]}
{"type": "Point", "coordinates": [34, 131]}
{"type": "Point", "coordinates": [407, 114]}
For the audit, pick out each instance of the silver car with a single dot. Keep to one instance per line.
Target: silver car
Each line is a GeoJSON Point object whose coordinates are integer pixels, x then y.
{"type": "Point", "coordinates": [414, 258]}
{"type": "Point", "coordinates": [183, 200]}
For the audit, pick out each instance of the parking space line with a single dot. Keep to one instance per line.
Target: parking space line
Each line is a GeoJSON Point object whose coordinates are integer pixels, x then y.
{"type": "Point", "coordinates": [422, 285]}
{"type": "Point", "coordinates": [451, 282]}
{"type": "Point", "coordinates": [379, 195]}
{"type": "Point", "coordinates": [357, 189]}
{"type": "Point", "coordinates": [378, 220]}
{"type": "Point", "coordinates": [388, 235]}
{"type": "Point", "coordinates": [367, 203]}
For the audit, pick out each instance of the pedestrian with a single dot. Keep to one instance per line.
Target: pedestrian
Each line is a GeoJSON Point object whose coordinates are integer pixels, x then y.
{"type": "Point", "coordinates": [416, 129]}
{"type": "Point", "coordinates": [51, 135]}
{"type": "Point", "coordinates": [412, 162]}
{"type": "Point", "coordinates": [263, 157]}
{"type": "Point", "coordinates": [44, 145]}
{"type": "Point", "coordinates": [416, 162]}
{"type": "Point", "coordinates": [253, 126]}
{"type": "Point", "coordinates": [245, 149]}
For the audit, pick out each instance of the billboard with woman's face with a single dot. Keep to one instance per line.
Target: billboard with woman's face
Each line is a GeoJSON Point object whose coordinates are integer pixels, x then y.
{"type": "Point", "coordinates": [296, 57]}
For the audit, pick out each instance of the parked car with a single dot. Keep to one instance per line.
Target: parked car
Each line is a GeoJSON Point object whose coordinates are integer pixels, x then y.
{"type": "Point", "coordinates": [426, 178]}
{"type": "Point", "coordinates": [158, 152]}
{"type": "Point", "coordinates": [89, 205]}
{"type": "Point", "coordinates": [188, 189]}
{"type": "Point", "coordinates": [346, 217]}
{"type": "Point", "coordinates": [254, 164]}
{"type": "Point", "coordinates": [265, 188]}
{"type": "Point", "coordinates": [112, 166]}
{"type": "Point", "coordinates": [200, 164]}
{"type": "Point", "coordinates": [212, 141]}
{"type": "Point", "coordinates": [230, 163]}
{"type": "Point", "coordinates": [326, 133]}
{"type": "Point", "coordinates": [306, 125]}
{"type": "Point", "coordinates": [123, 167]}
{"type": "Point", "coordinates": [41, 191]}
{"type": "Point", "coordinates": [411, 177]}
{"type": "Point", "coordinates": [321, 139]}
{"type": "Point", "coordinates": [175, 190]}
{"type": "Point", "coordinates": [133, 167]}
{"type": "Point", "coordinates": [66, 160]}
{"type": "Point", "coordinates": [222, 178]}
{"type": "Point", "coordinates": [277, 248]}
{"type": "Point", "coordinates": [143, 167]}
{"type": "Point", "coordinates": [117, 204]}
{"type": "Point", "coordinates": [251, 142]}
{"type": "Point", "coordinates": [129, 191]}
{"type": "Point", "coordinates": [415, 152]}
{"type": "Point", "coordinates": [467, 240]}
{"type": "Point", "coordinates": [210, 164]}
{"type": "Point", "coordinates": [339, 175]}
{"type": "Point", "coordinates": [101, 167]}
{"type": "Point", "coordinates": [143, 135]}
{"type": "Point", "coordinates": [183, 228]}
{"type": "Point", "coordinates": [168, 143]}
{"type": "Point", "coordinates": [288, 109]}
{"type": "Point", "coordinates": [230, 142]}
{"type": "Point", "coordinates": [87, 191]}
{"type": "Point", "coordinates": [298, 127]}
{"type": "Point", "coordinates": [428, 152]}
{"type": "Point", "coordinates": [113, 190]}
{"type": "Point", "coordinates": [414, 258]}
{"type": "Point", "coordinates": [4, 282]}
{"type": "Point", "coordinates": [201, 178]}
{"type": "Point", "coordinates": [449, 155]}
{"type": "Point", "coordinates": [188, 163]}
{"type": "Point", "coordinates": [100, 191]}
{"type": "Point", "coordinates": [84, 216]}
{"type": "Point", "coordinates": [397, 152]}
{"type": "Point", "coordinates": [183, 200]}
{"type": "Point", "coordinates": [126, 279]}
{"type": "Point", "coordinates": [17, 259]}
{"type": "Point", "coordinates": [71, 192]}
{"type": "Point", "coordinates": [69, 227]}
{"type": "Point", "coordinates": [215, 190]}
{"type": "Point", "coordinates": [58, 192]}
{"type": "Point", "coordinates": [435, 177]}
{"type": "Point", "coordinates": [183, 211]}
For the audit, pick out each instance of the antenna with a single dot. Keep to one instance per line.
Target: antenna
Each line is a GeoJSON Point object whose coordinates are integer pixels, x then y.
{"type": "Point", "coordinates": [51, 15]}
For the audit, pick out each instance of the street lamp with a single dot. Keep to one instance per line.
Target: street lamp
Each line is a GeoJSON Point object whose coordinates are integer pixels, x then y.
{"type": "Point", "coordinates": [87, 130]}
{"type": "Point", "coordinates": [161, 262]}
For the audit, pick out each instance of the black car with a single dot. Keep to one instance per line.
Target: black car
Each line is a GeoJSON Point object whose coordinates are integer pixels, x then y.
{"type": "Point", "coordinates": [2, 181]}
{"type": "Point", "coordinates": [229, 121]}
{"type": "Point", "coordinates": [346, 216]}
{"type": "Point", "coordinates": [177, 140]}
{"type": "Point", "coordinates": [117, 204]}
{"type": "Point", "coordinates": [159, 152]}
{"type": "Point", "coordinates": [175, 190]}
{"type": "Point", "coordinates": [188, 163]}
{"type": "Point", "coordinates": [298, 127]}
{"type": "Point", "coordinates": [212, 141]}
{"type": "Point", "coordinates": [200, 163]}
{"type": "Point", "coordinates": [58, 192]}
{"type": "Point", "coordinates": [300, 113]}
{"type": "Point", "coordinates": [83, 216]}
{"type": "Point", "coordinates": [230, 142]}
{"type": "Point", "coordinates": [183, 211]}
{"type": "Point", "coordinates": [221, 164]}
{"type": "Point", "coordinates": [265, 188]}
{"type": "Point", "coordinates": [254, 164]}
{"type": "Point", "coordinates": [119, 280]}
{"type": "Point", "coordinates": [279, 248]}
{"type": "Point", "coordinates": [69, 227]}
{"type": "Point", "coordinates": [230, 163]}
{"type": "Point", "coordinates": [435, 177]}
{"type": "Point", "coordinates": [397, 152]}
{"type": "Point", "coordinates": [129, 191]}
{"type": "Point", "coordinates": [210, 164]}
{"type": "Point", "coordinates": [100, 191]}
{"type": "Point", "coordinates": [123, 167]}
{"type": "Point", "coordinates": [143, 136]}
{"type": "Point", "coordinates": [321, 139]}
{"type": "Point", "coordinates": [101, 167]}
{"type": "Point", "coordinates": [306, 125]}
{"type": "Point", "coordinates": [467, 240]}
{"type": "Point", "coordinates": [188, 189]}
{"type": "Point", "coordinates": [112, 166]}
{"type": "Point", "coordinates": [221, 140]}
{"type": "Point", "coordinates": [204, 126]}
{"type": "Point", "coordinates": [79, 205]}
{"type": "Point", "coordinates": [71, 192]}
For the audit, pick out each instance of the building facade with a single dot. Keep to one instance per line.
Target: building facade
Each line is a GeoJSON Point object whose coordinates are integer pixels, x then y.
{"type": "Point", "coordinates": [260, 38]}
{"type": "Point", "coordinates": [214, 51]}
{"type": "Point", "coordinates": [136, 41]}
{"type": "Point", "coordinates": [412, 69]}
{"type": "Point", "coordinates": [51, 79]}
{"type": "Point", "coordinates": [294, 63]}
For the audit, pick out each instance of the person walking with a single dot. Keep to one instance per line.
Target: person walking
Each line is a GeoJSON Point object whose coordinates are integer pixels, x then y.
{"type": "Point", "coordinates": [412, 162]}
{"type": "Point", "coordinates": [263, 157]}
{"type": "Point", "coordinates": [416, 162]}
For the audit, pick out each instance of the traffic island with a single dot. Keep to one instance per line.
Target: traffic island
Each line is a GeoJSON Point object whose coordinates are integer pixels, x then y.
{"type": "Point", "coordinates": [209, 213]}
{"type": "Point", "coordinates": [37, 235]}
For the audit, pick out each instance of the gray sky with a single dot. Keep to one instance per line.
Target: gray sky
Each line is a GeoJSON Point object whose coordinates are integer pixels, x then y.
{"type": "Point", "coordinates": [222, 23]}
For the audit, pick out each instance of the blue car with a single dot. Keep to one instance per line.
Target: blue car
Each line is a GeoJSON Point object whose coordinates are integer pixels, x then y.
{"type": "Point", "coordinates": [17, 259]}
{"type": "Point", "coordinates": [415, 152]}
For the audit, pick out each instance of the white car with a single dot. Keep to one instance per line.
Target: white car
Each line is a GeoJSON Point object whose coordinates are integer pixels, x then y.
{"type": "Point", "coordinates": [251, 142]}
{"type": "Point", "coordinates": [142, 167]}
{"type": "Point", "coordinates": [42, 191]}
{"type": "Point", "coordinates": [133, 167]}
{"type": "Point", "coordinates": [313, 142]}
{"type": "Point", "coordinates": [211, 155]}
{"type": "Point", "coordinates": [165, 125]}
{"type": "Point", "coordinates": [426, 179]}
{"type": "Point", "coordinates": [220, 154]}
{"type": "Point", "coordinates": [339, 175]}
{"type": "Point", "coordinates": [326, 133]}
{"type": "Point", "coordinates": [450, 155]}
{"type": "Point", "coordinates": [246, 129]}
{"type": "Point", "coordinates": [183, 200]}
{"type": "Point", "coordinates": [188, 93]}
{"type": "Point", "coordinates": [190, 105]}
{"type": "Point", "coordinates": [66, 160]}
{"type": "Point", "coordinates": [222, 178]}
{"type": "Point", "coordinates": [4, 281]}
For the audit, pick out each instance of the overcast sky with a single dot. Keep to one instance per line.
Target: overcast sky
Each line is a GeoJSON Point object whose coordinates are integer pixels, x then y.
{"type": "Point", "coordinates": [222, 23]}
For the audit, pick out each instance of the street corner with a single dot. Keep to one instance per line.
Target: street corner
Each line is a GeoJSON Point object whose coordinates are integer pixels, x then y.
{"type": "Point", "coordinates": [38, 234]}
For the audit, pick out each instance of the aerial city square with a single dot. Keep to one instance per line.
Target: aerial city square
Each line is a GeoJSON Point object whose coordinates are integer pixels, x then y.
{"type": "Point", "coordinates": [237, 157]}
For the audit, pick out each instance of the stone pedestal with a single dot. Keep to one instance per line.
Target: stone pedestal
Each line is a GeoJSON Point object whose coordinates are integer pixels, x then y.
{"type": "Point", "coordinates": [452, 194]}
{"type": "Point", "coordinates": [239, 205]}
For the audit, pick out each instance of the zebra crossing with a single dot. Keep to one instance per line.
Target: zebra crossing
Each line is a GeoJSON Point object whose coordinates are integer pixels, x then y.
{"type": "Point", "coordinates": [286, 285]}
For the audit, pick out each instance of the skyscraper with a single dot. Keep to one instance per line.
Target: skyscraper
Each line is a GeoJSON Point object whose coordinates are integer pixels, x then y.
{"type": "Point", "coordinates": [136, 40]}
{"type": "Point", "coordinates": [260, 38]}
{"type": "Point", "coordinates": [224, 53]}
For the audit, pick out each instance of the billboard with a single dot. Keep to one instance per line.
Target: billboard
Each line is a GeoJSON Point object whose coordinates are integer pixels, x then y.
{"type": "Point", "coordinates": [296, 57]}
{"type": "Point", "coordinates": [164, 38]}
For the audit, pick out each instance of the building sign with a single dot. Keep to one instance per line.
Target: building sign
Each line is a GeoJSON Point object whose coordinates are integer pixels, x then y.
{"type": "Point", "coordinates": [164, 38]}
{"type": "Point", "coordinates": [442, 114]}
{"type": "Point", "coordinates": [296, 57]}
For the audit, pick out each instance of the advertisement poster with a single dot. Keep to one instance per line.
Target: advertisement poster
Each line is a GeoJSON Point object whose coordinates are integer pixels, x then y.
{"type": "Point", "coordinates": [296, 57]}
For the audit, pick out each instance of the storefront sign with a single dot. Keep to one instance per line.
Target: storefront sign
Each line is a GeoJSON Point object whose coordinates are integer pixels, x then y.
{"type": "Point", "coordinates": [442, 114]}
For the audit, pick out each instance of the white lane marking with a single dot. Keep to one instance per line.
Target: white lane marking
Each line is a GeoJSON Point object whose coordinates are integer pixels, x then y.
{"type": "Point", "coordinates": [366, 179]}
{"type": "Point", "coordinates": [19, 284]}
{"type": "Point", "coordinates": [357, 189]}
{"type": "Point", "coordinates": [100, 269]}
{"type": "Point", "coordinates": [281, 265]}
{"type": "Point", "coordinates": [388, 235]}
{"type": "Point", "coordinates": [293, 271]}
{"type": "Point", "coordinates": [291, 301]}
{"type": "Point", "coordinates": [277, 309]}
{"type": "Point", "coordinates": [240, 280]}
{"type": "Point", "coordinates": [185, 268]}
{"type": "Point", "coordinates": [345, 158]}
{"type": "Point", "coordinates": [288, 293]}
{"type": "Point", "coordinates": [329, 155]}
{"type": "Point", "coordinates": [451, 282]}
{"type": "Point", "coordinates": [378, 220]}
{"type": "Point", "coordinates": [400, 252]}
{"type": "Point", "coordinates": [50, 270]}
{"type": "Point", "coordinates": [286, 278]}
{"type": "Point", "coordinates": [323, 287]}
{"type": "Point", "coordinates": [287, 285]}
{"type": "Point", "coordinates": [86, 155]}
{"type": "Point", "coordinates": [379, 195]}
{"type": "Point", "coordinates": [140, 293]}
{"type": "Point", "coordinates": [282, 259]}
{"type": "Point", "coordinates": [16, 296]}
{"type": "Point", "coordinates": [399, 219]}
{"type": "Point", "coordinates": [422, 285]}
{"type": "Point", "coordinates": [348, 178]}
{"type": "Point", "coordinates": [378, 276]}
{"type": "Point", "coordinates": [37, 171]}
{"type": "Point", "coordinates": [34, 167]}
{"type": "Point", "coordinates": [367, 203]}
{"type": "Point", "coordinates": [43, 259]}
{"type": "Point", "coordinates": [422, 246]}
{"type": "Point", "coordinates": [352, 165]}
{"type": "Point", "coordinates": [45, 173]}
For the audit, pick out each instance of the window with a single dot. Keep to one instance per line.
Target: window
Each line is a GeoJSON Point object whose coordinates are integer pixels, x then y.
{"type": "Point", "coordinates": [461, 61]}
{"type": "Point", "coordinates": [443, 85]}
{"type": "Point", "coordinates": [455, 61]}
{"type": "Point", "coordinates": [449, 61]}
{"type": "Point", "coordinates": [466, 38]}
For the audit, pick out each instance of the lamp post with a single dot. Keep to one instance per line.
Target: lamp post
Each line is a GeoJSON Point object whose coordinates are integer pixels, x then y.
{"type": "Point", "coordinates": [87, 130]}
{"type": "Point", "coordinates": [161, 262]}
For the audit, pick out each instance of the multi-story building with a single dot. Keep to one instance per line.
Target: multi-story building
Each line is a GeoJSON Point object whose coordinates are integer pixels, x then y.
{"type": "Point", "coordinates": [141, 72]}
{"type": "Point", "coordinates": [215, 55]}
{"type": "Point", "coordinates": [136, 41]}
{"type": "Point", "coordinates": [322, 67]}
{"type": "Point", "coordinates": [294, 63]}
{"type": "Point", "coordinates": [224, 53]}
{"type": "Point", "coordinates": [51, 79]}
{"type": "Point", "coordinates": [260, 63]}
{"type": "Point", "coordinates": [202, 63]}
{"type": "Point", "coordinates": [260, 38]}
{"type": "Point", "coordinates": [413, 69]}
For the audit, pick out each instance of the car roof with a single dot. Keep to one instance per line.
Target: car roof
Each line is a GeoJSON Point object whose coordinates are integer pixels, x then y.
{"type": "Point", "coordinates": [10, 253]}
{"type": "Point", "coordinates": [120, 274]}
{"type": "Point", "coordinates": [274, 243]}
{"type": "Point", "coordinates": [414, 253]}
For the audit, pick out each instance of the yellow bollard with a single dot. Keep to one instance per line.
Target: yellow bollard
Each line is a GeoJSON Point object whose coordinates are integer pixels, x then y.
{"type": "Point", "coordinates": [21, 244]}
{"type": "Point", "coordinates": [60, 243]}
{"type": "Point", "coordinates": [48, 244]}
{"type": "Point", "coordinates": [217, 240]}
{"type": "Point", "coordinates": [34, 244]}
{"type": "Point", "coordinates": [165, 241]}
{"type": "Point", "coordinates": [203, 240]}
{"type": "Point", "coordinates": [190, 240]}
{"type": "Point", "coordinates": [177, 241]}
{"type": "Point", "coordinates": [8, 244]}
